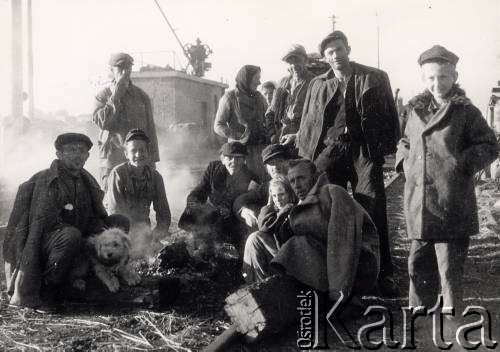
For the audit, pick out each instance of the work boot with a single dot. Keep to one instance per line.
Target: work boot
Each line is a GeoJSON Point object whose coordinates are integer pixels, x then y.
{"type": "Point", "coordinates": [388, 288]}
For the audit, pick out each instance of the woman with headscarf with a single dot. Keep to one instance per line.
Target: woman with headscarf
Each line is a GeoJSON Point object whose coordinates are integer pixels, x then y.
{"type": "Point", "coordinates": [240, 117]}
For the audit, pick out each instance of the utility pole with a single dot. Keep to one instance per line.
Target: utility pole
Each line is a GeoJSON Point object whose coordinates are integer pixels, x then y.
{"type": "Point", "coordinates": [378, 42]}
{"type": "Point", "coordinates": [333, 22]}
{"type": "Point", "coordinates": [16, 60]}
{"type": "Point", "coordinates": [31, 96]}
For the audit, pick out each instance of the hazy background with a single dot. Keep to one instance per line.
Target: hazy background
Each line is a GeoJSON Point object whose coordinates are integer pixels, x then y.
{"type": "Point", "coordinates": [73, 39]}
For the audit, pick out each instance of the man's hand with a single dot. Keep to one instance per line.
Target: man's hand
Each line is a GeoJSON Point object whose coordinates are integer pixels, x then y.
{"type": "Point", "coordinates": [249, 216]}
{"type": "Point", "coordinates": [119, 87]}
{"type": "Point", "coordinates": [224, 212]}
{"type": "Point", "coordinates": [288, 139]}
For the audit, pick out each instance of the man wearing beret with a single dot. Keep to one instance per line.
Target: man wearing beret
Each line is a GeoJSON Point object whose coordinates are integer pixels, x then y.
{"type": "Point", "coordinates": [120, 107]}
{"type": "Point", "coordinates": [284, 114]}
{"type": "Point", "coordinates": [209, 205]}
{"type": "Point", "coordinates": [356, 102]}
{"type": "Point", "coordinates": [52, 212]}
{"type": "Point", "coordinates": [446, 141]}
{"type": "Point", "coordinates": [247, 206]}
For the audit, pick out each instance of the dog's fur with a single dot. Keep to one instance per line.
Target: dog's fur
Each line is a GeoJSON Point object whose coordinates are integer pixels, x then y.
{"type": "Point", "coordinates": [108, 255]}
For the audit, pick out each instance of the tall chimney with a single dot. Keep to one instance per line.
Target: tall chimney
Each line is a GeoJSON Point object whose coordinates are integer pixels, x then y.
{"type": "Point", "coordinates": [17, 60]}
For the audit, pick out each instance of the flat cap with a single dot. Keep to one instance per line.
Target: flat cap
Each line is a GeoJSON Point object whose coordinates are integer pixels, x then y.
{"type": "Point", "coordinates": [233, 149]}
{"type": "Point", "coordinates": [119, 59]}
{"type": "Point", "coordinates": [67, 138]}
{"type": "Point", "coordinates": [332, 36]}
{"type": "Point", "coordinates": [295, 50]}
{"type": "Point", "coordinates": [437, 53]}
{"type": "Point", "coordinates": [137, 134]}
{"type": "Point", "coordinates": [274, 151]}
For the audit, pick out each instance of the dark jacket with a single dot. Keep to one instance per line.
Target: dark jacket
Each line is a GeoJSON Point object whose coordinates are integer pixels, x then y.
{"type": "Point", "coordinates": [275, 223]}
{"type": "Point", "coordinates": [374, 103]}
{"type": "Point", "coordinates": [115, 120]}
{"type": "Point", "coordinates": [439, 159]}
{"type": "Point", "coordinates": [37, 210]}
{"type": "Point", "coordinates": [218, 188]}
{"type": "Point", "coordinates": [241, 118]}
{"type": "Point", "coordinates": [335, 245]}
{"type": "Point", "coordinates": [123, 198]}
{"type": "Point", "coordinates": [285, 112]}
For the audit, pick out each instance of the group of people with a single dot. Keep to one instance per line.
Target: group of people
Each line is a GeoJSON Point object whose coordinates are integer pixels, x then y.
{"type": "Point", "coordinates": [280, 191]}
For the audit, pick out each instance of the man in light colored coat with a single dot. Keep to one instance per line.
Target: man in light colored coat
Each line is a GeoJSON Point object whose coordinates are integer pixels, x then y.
{"type": "Point", "coordinates": [446, 141]}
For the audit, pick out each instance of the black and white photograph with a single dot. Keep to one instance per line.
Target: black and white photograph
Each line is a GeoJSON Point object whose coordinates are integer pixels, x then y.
{"type": "Point", "coordinates": [249, 175]}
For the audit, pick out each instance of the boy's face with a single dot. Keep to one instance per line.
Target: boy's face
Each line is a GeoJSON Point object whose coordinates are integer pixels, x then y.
{"type": "Point", "coordinates": [280, 196]}
{"type": "Point", "coordinates": [439, 78]}
{"type": "Point", "coordinates": [276, 167]}
{"type": "Point", "coordinates": [136, 152]}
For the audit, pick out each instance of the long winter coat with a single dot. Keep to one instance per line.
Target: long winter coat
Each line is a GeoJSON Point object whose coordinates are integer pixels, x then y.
{"type": "Point", "coordinates": [439, 159]}
{"type": "Point", "coordinates": [334, 246]}
{"type": "Point", "coordinates": [37, 210]}
{"type": "Point", "coordinates": [374, 103]}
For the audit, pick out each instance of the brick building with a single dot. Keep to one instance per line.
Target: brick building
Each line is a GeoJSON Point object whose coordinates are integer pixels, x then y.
{"type": "Point", "coordinates": [181, 102]}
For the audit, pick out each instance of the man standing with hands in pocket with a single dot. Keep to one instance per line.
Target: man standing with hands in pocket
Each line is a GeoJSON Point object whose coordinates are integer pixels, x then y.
{"type": "Point", "coordinates": [119, 108]}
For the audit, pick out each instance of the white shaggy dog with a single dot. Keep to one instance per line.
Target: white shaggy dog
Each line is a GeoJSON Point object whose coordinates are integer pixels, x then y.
{"type": "Point", "coordinates": [108, 255]}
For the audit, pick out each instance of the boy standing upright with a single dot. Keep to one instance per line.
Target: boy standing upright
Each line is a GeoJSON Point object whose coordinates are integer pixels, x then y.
{"type": "Point", "coordinates": [446, 141]}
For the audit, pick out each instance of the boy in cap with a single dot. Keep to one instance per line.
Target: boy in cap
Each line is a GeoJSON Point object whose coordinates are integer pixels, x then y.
{"type": "Point", "coordinates": [208, 209]}
{"type": "Point", "coordinates": [446, 141]}
{"type": "Point", "coordinates": [134, 185]}
{"type": "Point", "coordinates": [53, 211]}
{"type": "Point", "coordinates": [285, 111]}
{"type": "Point", "coordinates": [119, 108]}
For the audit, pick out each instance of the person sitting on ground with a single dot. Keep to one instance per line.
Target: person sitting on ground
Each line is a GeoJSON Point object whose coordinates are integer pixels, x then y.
{"type": "Point", "coordinates": [247, 206]}
{"type": "Point", "coordinates": [209, 205]}
{"type": "Point", "coordinates": [273, 227]}
{"type": "Point", "coordinates": [333, 244]}
{"type": "Point", "coordinates": [446, 141]}
{"type": "Point", "coordinates": [134, 185]}
{"type": "Point", "coordinates": [53, 211]}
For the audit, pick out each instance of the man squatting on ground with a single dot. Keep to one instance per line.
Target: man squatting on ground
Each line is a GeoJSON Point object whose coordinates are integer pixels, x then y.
{"type": "Point", "coordinates": [446, 141]}
{"type": "Point", "coordinates": [53, 211]}
{"type": "Point", "coordinates": [208, 210]}
{"type": "Point", "coordinates": [332, 244]}
{"type": "Point", "coordinates": [356, 102]}
{"type": "Point", "coordinates": [119, 108]}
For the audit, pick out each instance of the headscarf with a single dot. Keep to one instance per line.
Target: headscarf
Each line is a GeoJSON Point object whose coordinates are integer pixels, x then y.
{"type": "Point", "coordinates": [244, 77]}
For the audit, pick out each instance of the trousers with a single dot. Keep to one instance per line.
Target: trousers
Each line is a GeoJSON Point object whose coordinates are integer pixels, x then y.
{"type": "Point", "coordinates": [432, 265]}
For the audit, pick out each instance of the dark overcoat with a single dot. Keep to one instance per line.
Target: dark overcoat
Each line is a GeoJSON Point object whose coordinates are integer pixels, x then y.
{"type": "Point", "coordinates": [439, 159]}
{"type": "Point", "coordinates": [36, 211]}
{"type": "Point", "coordinates": [374, 103]}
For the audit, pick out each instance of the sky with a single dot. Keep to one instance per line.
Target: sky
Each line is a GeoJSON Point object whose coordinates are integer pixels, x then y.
{"type": "Point", "coordinates": [74, 38]}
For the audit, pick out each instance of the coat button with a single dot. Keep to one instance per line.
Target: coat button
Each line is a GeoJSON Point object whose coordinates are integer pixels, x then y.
{"type": "Point", "coordinates": [420, 157]}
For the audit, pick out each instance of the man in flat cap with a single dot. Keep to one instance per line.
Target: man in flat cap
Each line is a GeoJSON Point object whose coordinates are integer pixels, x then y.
{"type": "Point", "coordinates": [209, 205]}
{"type": "Point", "coordinates": [284, 114]}
{"type": "Point", "coordinates": [446, 141]}
{"type": "Point", "coordinates": [120, 107]}
{"type": "Point", "coordinates": [356, 102]}
{"type": "Point", "coordinates": [53, 211]}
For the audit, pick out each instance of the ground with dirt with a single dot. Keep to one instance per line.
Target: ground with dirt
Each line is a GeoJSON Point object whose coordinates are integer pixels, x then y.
{"type": "Point", "coordinates": [196, 317]}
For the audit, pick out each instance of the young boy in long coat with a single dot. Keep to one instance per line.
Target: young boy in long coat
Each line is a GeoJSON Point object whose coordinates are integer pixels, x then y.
{"type": "Point", "coordinates": [446, 141]}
